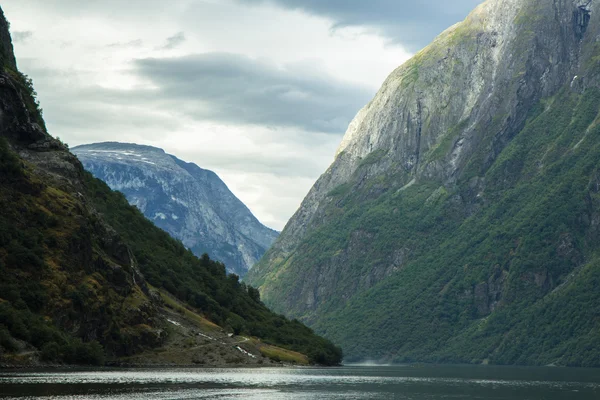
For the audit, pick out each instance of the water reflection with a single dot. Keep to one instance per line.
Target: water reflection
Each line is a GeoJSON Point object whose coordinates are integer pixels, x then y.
{"type": "Point", "coordinates": [351, 382]}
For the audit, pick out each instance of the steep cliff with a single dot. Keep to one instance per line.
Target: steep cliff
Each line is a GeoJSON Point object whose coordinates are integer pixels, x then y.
{"type": "Point", "coordinates": [190, 203]}
{"type": "Point", "coordinates": [68, 281]}
{"type": "Point", "coordinates": [459, 220]}
{"type": "Point", "coordinates": [85, 277]}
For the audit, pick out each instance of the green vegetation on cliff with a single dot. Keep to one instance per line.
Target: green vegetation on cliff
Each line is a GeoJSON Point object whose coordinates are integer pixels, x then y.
{"type": "Point", "coordinates": [35, 235]}
{"type": "Point", "coordinates": [505, 272]}
{"type": "Point", "coordinates": [516, 283]}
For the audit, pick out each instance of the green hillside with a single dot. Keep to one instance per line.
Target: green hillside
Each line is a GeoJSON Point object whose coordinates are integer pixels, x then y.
{"type": "Point", "coordinates": [203, 283]}
{"type": "Point", "coordinates": [515, 283]}
{"type": "Point", "coordinates": [530, 255]}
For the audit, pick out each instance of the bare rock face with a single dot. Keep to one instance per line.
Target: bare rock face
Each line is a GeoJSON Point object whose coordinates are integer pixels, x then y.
{"type": "Point", "coordinates": [474, 83]}
{"type": "Point", "coordinates": [441, 129]}
{"type": "Point", "coordinates": [190, 203]}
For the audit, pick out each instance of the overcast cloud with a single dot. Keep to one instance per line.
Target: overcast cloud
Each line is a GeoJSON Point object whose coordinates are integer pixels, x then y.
{"type": "Point", "coordinates": [233, 88]}
{"type": "Point", "coordinates": [174, 41]}
{"type": "Point", "coordinates": [413, 24]}
{"type": "Point", "coordinates": [260, 92]}
{"type": "Point", "coordinates": [21, 36]}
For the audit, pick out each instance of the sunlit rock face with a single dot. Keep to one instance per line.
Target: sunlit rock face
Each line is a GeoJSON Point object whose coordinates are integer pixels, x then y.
{"type": "Point", "coordinates": [480, 114]}
{"type": "Point", "coordinates": [190, 203]}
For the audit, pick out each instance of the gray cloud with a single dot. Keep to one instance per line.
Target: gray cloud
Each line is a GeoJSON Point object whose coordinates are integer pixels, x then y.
{"type": "Point", "coordinates": [234, 88]}
{"type": "Point", "coordinates": [86, 112]}
{"type": "Point", "coordinates": [131, 43]}
{"type": "Point", "coordinates": [21, 36]}
{"type": "Point", "coordinates": [283, 165]}
{"type": "Point", "coordinates": [411, 23]}
{"type": "Point", "coordinates": [224, 88]}
{"type": "Point", "coordinates": [174, 41]}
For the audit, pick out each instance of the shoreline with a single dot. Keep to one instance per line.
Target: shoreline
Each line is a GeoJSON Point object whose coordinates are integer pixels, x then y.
{"type": "Point", "coordinates": [126, 366]}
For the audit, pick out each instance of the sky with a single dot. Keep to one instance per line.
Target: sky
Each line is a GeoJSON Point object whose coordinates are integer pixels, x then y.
{"type": "Point", "coordinates": [259, 91]}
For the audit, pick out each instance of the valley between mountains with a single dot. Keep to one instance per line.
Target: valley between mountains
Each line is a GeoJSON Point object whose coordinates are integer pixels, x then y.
{"type": "Point", "coordinates": [459, 222]}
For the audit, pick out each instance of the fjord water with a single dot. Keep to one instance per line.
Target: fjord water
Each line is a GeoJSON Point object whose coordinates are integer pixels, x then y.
{"type": "Point", "coordinates": [349, 382]}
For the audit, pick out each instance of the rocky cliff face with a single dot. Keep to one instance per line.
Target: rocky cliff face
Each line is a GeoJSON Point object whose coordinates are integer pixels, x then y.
{"type": "Point", "coordinates": [471, 88]}
{"type": "Point", "coordinates": [58, 258]}
{"type": "Point", "coordinates": [489, 108]}
{"type": "Point", "coordinates": [190, 203]}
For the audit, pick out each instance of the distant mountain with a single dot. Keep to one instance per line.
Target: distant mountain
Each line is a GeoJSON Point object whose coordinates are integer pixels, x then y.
{"type": "Point", "coordinates": [190, 203]}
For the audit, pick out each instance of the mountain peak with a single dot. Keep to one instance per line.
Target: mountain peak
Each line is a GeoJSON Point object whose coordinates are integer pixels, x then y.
{"type": "Point", "coordinates": [119, 146]}
{"type": "Point", "coordinates": [436, 103]}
